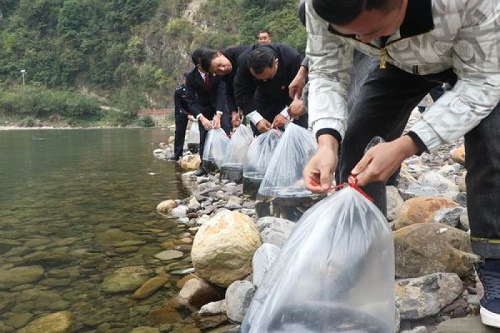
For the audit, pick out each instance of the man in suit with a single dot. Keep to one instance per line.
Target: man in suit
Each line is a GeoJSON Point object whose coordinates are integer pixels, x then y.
{"type": "Point", "coordinates": [182, 116]}
{"type": "Point", "coordinates": [261, 86]}
{"type": "Point", "coordinates": [225, 64]}
{"type": "Point", "coordinates": [205, 97]}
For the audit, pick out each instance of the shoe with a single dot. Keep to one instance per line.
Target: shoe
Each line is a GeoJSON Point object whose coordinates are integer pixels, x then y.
{"type": "Point", "coordinates": [489, 275]}
{"type": "Point", "coordinates": [173, 158]}
{"type": "Point", "coordinates": [200, 172]}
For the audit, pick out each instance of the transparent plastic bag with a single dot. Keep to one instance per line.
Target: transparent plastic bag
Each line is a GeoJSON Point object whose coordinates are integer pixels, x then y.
{"type": "Point", "coordinates": [216, 145]}
{"type": "Point", "coordinates": [232, 166]}
{"type": "Point", "coordinates": [193, 138]}
{"type": "Point", "coordinates": [282, 192]}
{"type": "Point", "coordinates": [257, 159]}
{"type": "Point", "coordinates": [335, 273]}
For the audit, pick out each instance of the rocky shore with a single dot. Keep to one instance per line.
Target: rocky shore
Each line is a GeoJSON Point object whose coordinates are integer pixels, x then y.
{"type": "Point", "coordinates": [435, 286]}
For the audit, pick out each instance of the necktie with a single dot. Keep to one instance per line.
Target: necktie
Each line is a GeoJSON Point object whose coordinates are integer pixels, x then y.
{"type": "Point", "coordinates": [207, 81]}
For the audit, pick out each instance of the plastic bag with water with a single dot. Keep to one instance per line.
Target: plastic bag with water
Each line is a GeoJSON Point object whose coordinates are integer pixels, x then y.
{"type": "Point", "coordinates": [335, 273]}
{"type": "Point", "coordinates": [282, 192]}
{"type": "Point", "coordinates": [216, 145]}
{"type": "Point", "coordinates": [193, 138]}
{"type": "Point", "coordinates": [257, 159]}
{"type": "Point", "coordinates": [232, 165]}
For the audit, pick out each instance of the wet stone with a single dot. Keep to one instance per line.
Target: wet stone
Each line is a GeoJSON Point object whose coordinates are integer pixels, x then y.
{"type": "Point", "coordinates": [210, 167]}
{"type": "Point", "coordinates": [232, 172]}
{"type": "Point", "coordinates": [251, 184]}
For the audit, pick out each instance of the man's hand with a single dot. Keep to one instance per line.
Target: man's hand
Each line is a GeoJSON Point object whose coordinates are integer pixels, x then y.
{"type": "Point", "coordinates": [382, 160]}
{"type": "Point", "coordinates": [205, 122]}
{"type": "Point", "coordinates": [279, 121]}
{"type": "Point", "coordinates": [216, 121]}
{"type": "Point", "coordinates": [190, 117]}
{"type": "Point", "coordinates": [296, 109]}
{"type": "Point", "coordinates": [318, 173]}
{"type": "Point", "coordinates": [263, 126]}
{"type": "Point", "coordinates": [235, 119]}
{"type": "Point", "coordinates": [297, 85]}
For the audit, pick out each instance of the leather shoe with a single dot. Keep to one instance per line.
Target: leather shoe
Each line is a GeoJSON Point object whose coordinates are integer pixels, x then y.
{"type": "Point", "coordinates": [173, 158]}
{"type": "Point", "coordinates": [200, 172]}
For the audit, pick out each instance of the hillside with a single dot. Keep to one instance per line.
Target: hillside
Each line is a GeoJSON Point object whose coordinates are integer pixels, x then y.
{"type": "Point", "coordinates": [128, 54]}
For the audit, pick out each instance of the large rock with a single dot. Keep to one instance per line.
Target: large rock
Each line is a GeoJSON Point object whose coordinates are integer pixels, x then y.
{"type": "Point", "coordinates": [426, 296]}
{"type": "Point", "coordinates": [422, 249]}
{"type": "Point", "coordinates": [190, 162]}
{"type": "Point", "coordinates": [60, 322]}
{"type": "Point", "coordinates": [197, 292]}
{"type": "Point", "coordinates": [125, 279]}
{"type": "Point", "coordinates": [421, 210]}
{"type": "Point", "coordinates": [224, 246]}
{"type": "Point", "coordinates": [20, 275]}
{"type": "Point", "coordinates": [165, 207]}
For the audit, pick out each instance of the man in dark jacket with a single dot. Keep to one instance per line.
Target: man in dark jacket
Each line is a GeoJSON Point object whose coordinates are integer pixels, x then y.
{"type": "Point", "coordinates": [205, 97]}
{"type": "Point", "coordinates": [225, 64]}
{"type": "Point", "coordinates": [182, 116]}
{"type": "Point", "coordinates": [261, 85]}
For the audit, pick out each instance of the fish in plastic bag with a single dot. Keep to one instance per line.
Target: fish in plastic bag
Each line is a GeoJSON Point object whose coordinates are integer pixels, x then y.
{"type": "Point", "coordinates": [335, 273]}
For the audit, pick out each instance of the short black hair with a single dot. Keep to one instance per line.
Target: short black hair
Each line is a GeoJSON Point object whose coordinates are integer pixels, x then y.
{"type": "Point", "coordinates": [265, 31]}
{"type": "Point", "coordinates": [343, 12]}
{"type": "Point", "coordinates": [302, 12]}
{"type": "Point", "coordinates": [206, 59]}
{"type": "Point", "coordinates": [260, 59]}
{"type": "Point", "coordinates": [196, 55]}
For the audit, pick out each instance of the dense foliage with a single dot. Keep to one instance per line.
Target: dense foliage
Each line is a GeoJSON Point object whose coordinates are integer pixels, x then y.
{"type": "Point", "coordinates": [128, 54]}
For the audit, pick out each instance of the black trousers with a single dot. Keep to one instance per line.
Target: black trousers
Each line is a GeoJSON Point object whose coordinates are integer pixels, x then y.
{"type": "Point", "coordinates": [181, 121]}
{"type": "Point", "coordinates": [382, 108]}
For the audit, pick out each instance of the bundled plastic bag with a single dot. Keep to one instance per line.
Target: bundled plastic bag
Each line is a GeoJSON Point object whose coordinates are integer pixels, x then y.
{"type": "Point", "coordinates": [257, 159]}
{"type": "Point", "coordinates": [282, 192]}
{"type": "Point", "coordinates": [193, 138]}
{"type": "Point", "coordinates": [232, 166]}
{"type": "Point", "coordinates": [335, 273]}
{"type": "Point", "coordinates": [215, 148]}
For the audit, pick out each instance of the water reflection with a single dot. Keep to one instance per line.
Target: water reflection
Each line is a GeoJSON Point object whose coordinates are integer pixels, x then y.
{"type": "Point", "coordinates": [75, 206]}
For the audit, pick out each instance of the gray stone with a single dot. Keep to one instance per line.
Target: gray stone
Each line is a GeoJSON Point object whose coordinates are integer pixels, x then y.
{"type": "Point", "coordinates": [465, 325]}
{"type": "Point", "coordinates": [238, 297]}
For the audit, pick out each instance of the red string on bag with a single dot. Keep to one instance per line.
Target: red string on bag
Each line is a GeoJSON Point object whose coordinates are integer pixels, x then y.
{"type": "Point", "coordinates": [352, 181]}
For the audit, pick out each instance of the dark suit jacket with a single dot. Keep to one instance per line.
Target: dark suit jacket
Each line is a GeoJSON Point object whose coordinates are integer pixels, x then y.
{"type": "Point", "coordinates": [200, 99]}
{"type": "Point", "coordinates": [180, 101]}
{"type": "Point", "coordinates": [271, 96]}
{"type": "Point", "coordinates": [232, 54]}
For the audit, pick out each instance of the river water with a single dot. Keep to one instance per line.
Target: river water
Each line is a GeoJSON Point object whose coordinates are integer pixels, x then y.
{"type": "Point", "coordinates": [76, 205]}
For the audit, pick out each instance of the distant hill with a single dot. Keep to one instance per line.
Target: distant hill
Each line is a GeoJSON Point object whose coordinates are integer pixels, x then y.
{"type": "Point", "coordinates": [129, 52]}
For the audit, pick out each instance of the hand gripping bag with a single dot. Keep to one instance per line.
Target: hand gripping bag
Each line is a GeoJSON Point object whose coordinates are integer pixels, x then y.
{"type": "Point", "coordinates": [282, 192]}
{"type": "Point", "coordinates": [193, 138]}
{"type": "Point", "coordinates": [232, 165]}
{"type": "Point", "coordinates": [257, 159]}
{"type": "Point", "coordinates": [216, 145]}
{"type": "Point", "coordinates": [335, 273]}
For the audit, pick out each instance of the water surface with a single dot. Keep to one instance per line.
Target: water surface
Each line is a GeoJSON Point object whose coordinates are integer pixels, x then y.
{"type": "Point", "coordinates": [61, 192]}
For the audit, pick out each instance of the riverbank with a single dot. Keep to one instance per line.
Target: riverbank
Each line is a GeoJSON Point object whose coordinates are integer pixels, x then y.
{"type": "Point", "coordinates": [432, 184]}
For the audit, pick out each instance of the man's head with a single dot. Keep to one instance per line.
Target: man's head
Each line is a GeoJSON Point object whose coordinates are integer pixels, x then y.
{"type": "Point", "coordinates": [264, 37]}
{"type": "Point", "coordinates": [196, 58]}
{"type": "Point", "coordinates": [215, 62]}
{"type": "Point", "coordinates": [367, 19]}
{"type": "Point", "coordinates": [262, 63]}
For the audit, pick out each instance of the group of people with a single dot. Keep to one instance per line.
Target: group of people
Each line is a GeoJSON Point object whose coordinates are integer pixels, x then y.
{"type": "Point", "coordinates": [252, 78]}
{"type": "Point", "coordinates": [413, 47]}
